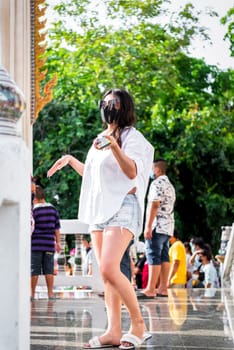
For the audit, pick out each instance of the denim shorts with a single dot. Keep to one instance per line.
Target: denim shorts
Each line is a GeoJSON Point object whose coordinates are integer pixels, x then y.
{"type": "Point", "coordinates": [42, 263]}
{"type": "Point", "coordinates": [127, 217]}
{"type": "Point", "coordinates": [157, 248]}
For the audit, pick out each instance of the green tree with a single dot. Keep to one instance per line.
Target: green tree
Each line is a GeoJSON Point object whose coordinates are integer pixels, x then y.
{"type": "Point", "coordinates": [228, 19]}
{"type": "Point", "coordinates": [184, 106]}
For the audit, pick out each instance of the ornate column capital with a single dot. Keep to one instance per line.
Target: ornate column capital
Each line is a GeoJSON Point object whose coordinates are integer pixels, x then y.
{"type": "Point", "coordinates": [38, 48]}
{"type": "Point", "coordinates": [12, 104]}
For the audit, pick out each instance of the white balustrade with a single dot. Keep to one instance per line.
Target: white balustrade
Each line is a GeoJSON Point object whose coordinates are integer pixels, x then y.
{"type": "Point", "coordinates": [228, 265]}
{"type": "Point", "coordinates": [76, 228]}
{"type": "Point", "coordinates": [15, 233]}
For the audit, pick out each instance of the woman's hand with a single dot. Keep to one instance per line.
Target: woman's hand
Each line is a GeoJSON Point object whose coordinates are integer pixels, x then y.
{"type": "Point", "coordinates": [126, 164]}
{"type": "Point", "coordinates": [59, 164]}
{"type": "Point", "coordinates": [113, 142]}
{"type": "Point", "coordinates": [104, 142]}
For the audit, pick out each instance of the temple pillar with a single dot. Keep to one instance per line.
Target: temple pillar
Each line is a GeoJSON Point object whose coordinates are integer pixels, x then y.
{"type": "Point", "coordinates": [15, 54]}
{"type": "Point", "coordinates": [16, 167]}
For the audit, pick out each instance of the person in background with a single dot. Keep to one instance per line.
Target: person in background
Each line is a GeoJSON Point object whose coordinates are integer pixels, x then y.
{"type": "Point", "coordinates": [87, 261]}
{"type": "Point", "coordinates": [159, 228]}
{"type": "Point", "coordinates": [69, 269]}
{"type": "Point", "coordinates": [211, 279]}
{"type": "Point", "coordinates": [189, 267]}
{"type": "Point", "coordinates": [139, 265]}
{"type": "Point", "coordinates": [115, 179]}
{"type": "Point", "coordinates": [33, 190]}
{"type": "Point", "coordinates": [45, 240]}
{"type": "Point", "coordinates": [145, 274]}
{"type": "Point", "coordinates": [178, 270]}
{"type": "Point", "coordinates": [127, 262]}
{"type": "Point", "coordinates": [198, 278]}
{"type": "Point", "coordinates": [142, 265]}
{"type": "Point", "coordinates": [197, 245]}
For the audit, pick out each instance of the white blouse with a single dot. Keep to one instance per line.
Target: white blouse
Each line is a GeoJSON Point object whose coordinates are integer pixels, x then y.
{"type": "Point", "coordinates": [104, 185]}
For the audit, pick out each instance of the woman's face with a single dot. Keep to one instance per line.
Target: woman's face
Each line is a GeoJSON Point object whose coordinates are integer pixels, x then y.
{"type": "Point", "coordinates": [203, 258]}
{"type": "Point", "coordinates": [110, 109]}
{"type": "Point", "coordinates": [111, 101]}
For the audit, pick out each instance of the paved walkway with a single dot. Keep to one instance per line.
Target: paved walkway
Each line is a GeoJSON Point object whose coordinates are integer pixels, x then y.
{"type": "Point", "coordinates": [186, 320]}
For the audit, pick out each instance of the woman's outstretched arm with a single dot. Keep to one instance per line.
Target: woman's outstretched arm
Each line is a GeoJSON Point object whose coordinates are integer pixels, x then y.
{"type": "Point", "coordinates": [65, 160]}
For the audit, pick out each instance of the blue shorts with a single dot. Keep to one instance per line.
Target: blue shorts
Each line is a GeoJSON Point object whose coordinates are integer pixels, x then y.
{"type": "Point", "coordinates": [127, 217]}
{"type": "Point", "coordinates": [42, 263]}
{"type": "Point", "coordinates": [157, 248]}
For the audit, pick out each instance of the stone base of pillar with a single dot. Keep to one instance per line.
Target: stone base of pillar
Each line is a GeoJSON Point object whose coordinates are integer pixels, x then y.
{"type": "Point", "coordinates": [15, 244]}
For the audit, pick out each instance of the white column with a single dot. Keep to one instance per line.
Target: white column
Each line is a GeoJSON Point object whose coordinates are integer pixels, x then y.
{"type": "Point", "coordinates": [15, 53]}
{"type": "Point", "coordinates": [5, 24]}
{"type": "Point", "coordinates": [16, 165]}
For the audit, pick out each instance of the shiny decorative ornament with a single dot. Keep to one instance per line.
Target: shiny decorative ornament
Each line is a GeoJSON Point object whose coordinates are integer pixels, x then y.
{"type": "Point", "coordinates": [12, 104]}
{"type": "Point", "coordinates": [40, 96]}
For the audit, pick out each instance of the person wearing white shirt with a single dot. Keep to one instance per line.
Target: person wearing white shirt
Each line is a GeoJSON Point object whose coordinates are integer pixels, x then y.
{"type": "Point", "coordinates": [115, 179]}
{"type": "Point", "coordinates": [87, 256]}
{"type": "Point", "coordinates": [159, 227]}
{"type": "Point", "coordinates": [211, 279]}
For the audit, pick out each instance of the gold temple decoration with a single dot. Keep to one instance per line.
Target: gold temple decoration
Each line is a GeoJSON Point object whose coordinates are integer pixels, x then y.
{"type": "Point", "coordinates": [38, 48]}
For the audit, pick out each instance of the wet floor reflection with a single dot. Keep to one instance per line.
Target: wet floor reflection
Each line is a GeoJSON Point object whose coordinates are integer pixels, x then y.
{"type": "Point", "coordinates": [187, 319]}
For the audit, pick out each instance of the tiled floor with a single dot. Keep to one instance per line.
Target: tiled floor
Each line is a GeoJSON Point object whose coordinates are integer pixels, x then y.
{"type": "Point", "coordinates": [187, 319]}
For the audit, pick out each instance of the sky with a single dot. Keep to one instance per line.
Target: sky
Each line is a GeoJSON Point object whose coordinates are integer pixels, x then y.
{"type": "Point", "coordinates": [216, 54]}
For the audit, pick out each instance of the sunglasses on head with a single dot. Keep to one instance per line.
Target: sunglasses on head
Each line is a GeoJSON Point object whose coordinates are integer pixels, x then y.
{"type": "Point", "coordinates": [103, 104]}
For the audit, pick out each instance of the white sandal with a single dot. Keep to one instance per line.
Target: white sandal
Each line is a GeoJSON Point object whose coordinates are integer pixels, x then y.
{"type": "Point", "coordinates": [94, 343]}
{"type": "Point", "coordinates": [133, 340]}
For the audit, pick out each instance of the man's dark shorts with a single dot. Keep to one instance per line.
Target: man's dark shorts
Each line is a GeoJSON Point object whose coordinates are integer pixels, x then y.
{"type": "Point", "coordinates": [157, 248]}
{"type": "Point", "coordinates": [125, 264]}
{"type": "Point", "coordinates": [42, 263]}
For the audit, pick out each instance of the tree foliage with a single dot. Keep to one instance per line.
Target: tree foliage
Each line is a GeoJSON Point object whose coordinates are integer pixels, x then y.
{"type": "Point", "coordinates": [184, 106]}
{"type": "Point", "coordinates": [228, 19]}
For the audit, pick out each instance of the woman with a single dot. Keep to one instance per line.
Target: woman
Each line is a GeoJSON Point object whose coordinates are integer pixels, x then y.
{"type": "Point", "coordinates": [115, 179]}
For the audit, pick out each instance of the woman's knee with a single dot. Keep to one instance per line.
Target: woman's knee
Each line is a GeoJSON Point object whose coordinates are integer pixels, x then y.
{"type": "Point", "coordinates": [108, 272]}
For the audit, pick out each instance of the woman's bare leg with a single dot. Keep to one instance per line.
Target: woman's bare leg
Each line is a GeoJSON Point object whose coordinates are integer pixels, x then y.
{"type": "Point", "coordinates": [115, 242]}
{"type": "Point", "coordinates": [112, 300]}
